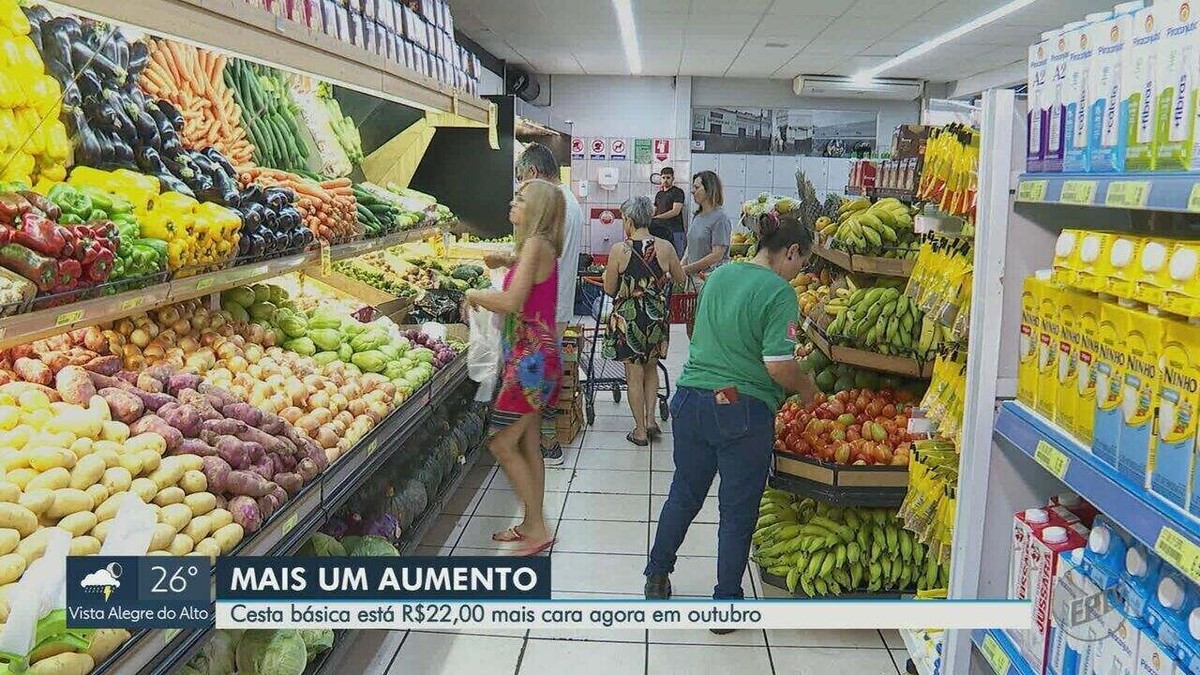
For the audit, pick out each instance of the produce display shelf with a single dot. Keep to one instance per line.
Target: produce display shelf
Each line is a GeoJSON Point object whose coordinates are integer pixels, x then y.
{"type": "Point", "coordinates": [256, 33]}
{"type": "Point", "coordinates": [418, 530]}
{"type": "Point", "coordinates": [1149, 191]}
{"type": "Point", "coordinates": [330, 660]}
{"type": "Point", "coordinates": [922, 652]}
{"type": "Point", "coordinates": [1152, 521]}
{"type": "Point", "coordinates": [856, 190]}
{"type": "Point", "coordinates": [998, 649]}
{"type": "Point", "coordinates": [895, 193]}
{"type": "Point", "coordinates": [867, 264]}
{"type": "Point", "coordinates": [446, 380]}
{"type": "Point", "coordinates": [838, 495]}
{"type": "Point", "coordinates": [781, 583]}
{"type": "Point", "coordinates": [899, 365]}
{"type": "Point", "coordinates": [357, 248]}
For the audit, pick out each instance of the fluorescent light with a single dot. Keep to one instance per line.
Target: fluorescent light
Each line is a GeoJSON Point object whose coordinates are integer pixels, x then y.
{"type": "Point", "coordinates": [954, 34]}
{"type": "Point", "coordinates": [633, 56]}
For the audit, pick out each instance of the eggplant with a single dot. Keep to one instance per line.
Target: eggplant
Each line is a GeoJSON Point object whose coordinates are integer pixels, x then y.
{"type": "Point", "coordinates": [252, 216]}
{"type": "Point", "coordinates": [128, 128]}
{"type": "Point", "coordinates": [243, 246]}
{"type": "Point", "coordinates": [220, 160]}
{"type": "Point", "coordinates": [37, 14]}
{"type": "Point", "coordinates": [122, 152]}
{"type": "Point", "coordinates": [289, 217]}
{"type": "Point", "coordinates": [57, 35]}
{"type": "Point", "coordinates": [170, 146]}
{"type": "Point", "coordinates": [149, 161]}
{"type": "Point", "coordinates": [72, 98]}
{"type": "Point", "coordinates": [90, 86]}
{"type": "Point", "coordinates": [257, 245]}
{"type": "Point", "coordinates": [109, 71]}
{"type": "Point", "coordinates": [253, 195]}
{"type": "Point", "coordinates": [279, 198]}
{"type": "Point", "coordinates": [147, 130]}
{"type": "Point", "coordinates": [139, 57]}
{"type": "Point", "coordinates": [35, 20]}
{"type": "Point", "coordinates": [107, 152]}
{"type": "Point", "coordinates": [103, 116]}
{"type": "Point", "coordinates": [87, 147]}
{"type": "Point", "coordinates": [172, 184]}
{"type": "Point", "coordinates": [165, 130]}
{"type": "Point", "coordinates": [171, 113]}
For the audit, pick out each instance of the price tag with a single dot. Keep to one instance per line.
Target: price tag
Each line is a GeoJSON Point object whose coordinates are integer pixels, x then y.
{"type": "Point", "coordinates": [170, 634]}
{"type": "Point", "coordinates": [326, 260]}
{"type": "Point", "coordinates": [290, 522]}
{"type": "Point", "coordinates": [1054, 460]}
{"type": "Point", "coordinates": [204, 283]}
{"type": "Point", "coordinates": [67, 318]}
{"type": "Point", "coordinates": [994, 653]}
{"type": "Point", "coordinates": [1129, 194]}
{"type": "Point", "coordinates": [1082, 192]}
{"type": "Point", "coordinates": [1179, 551]}
{"type": "Point", "coordinates": [1193, 204]}
{"type": "Point", "coordinates": [132, 303]}
{"type": "Point", "coordinates": [372, 447]}
{"type": "Point", "coordinates": [1032, 190]}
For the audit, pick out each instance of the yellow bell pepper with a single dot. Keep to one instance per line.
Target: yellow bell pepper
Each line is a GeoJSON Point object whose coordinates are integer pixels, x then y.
{"type": "Point", "coordinates": [12, 18]}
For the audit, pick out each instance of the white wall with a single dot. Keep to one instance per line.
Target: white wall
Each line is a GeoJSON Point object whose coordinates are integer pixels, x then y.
{"type": "Point", "coordinates": [601, 105]}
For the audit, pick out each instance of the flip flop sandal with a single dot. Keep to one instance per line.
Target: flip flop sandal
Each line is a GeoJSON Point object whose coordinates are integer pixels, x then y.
{"type": "Point", "coordinates": [653, 432]}
{"type": "Point", "coordinates": [529, 552]}
{"type": "Point", "coordinates": [636, 441]}
{"type": "Point", "coordinates": [508, 536]}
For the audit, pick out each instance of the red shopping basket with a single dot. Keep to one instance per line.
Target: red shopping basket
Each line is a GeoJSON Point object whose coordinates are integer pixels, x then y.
{"type": "Point", "coordinates": [683, 307]}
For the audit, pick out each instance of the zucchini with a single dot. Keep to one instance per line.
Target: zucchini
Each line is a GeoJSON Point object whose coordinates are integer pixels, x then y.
{"type": "Point", "coordinates": [380, 209]}
{"type": "Point", "coordinates": [365, 215]}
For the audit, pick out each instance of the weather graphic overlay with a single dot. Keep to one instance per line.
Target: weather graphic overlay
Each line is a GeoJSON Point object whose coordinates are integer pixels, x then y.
{"type": "Point", "coordinates": [131, 592]}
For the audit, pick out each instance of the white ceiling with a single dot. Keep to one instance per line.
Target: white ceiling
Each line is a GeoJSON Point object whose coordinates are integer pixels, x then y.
{"type": "Point", "coordinates": [729, 39]}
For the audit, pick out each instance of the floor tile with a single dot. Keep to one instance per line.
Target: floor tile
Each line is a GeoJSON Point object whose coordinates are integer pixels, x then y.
{"type": "Point", "coordinates": [712, 660]}
{"type": "Point", "coordinates": [432, 551]}
{"type": "Point", "coordinates": [600, 536]}
{"type": "Point", "coordinates": [596, 572]}
{"type": "Point", "coordinates": [495, 551]}
{"type": "Point", "coordinates": [660, 483]}
{"type": "Point", "coordinates": [504, 503]}
{"type": "Point", "coordinates": [703, 636]}
{"type": "Point", "coordinates": [820, 661]}
{"type": "Point", "coordinates": [594, 506]}
{"type": "Point", "coordinates": [664, 442]}
{"type": "Point", "coordinates": [709, 513]}
{"type": "Point", "coordinates": [893, 640]}
{"type": "Point", "coordinates": [623, 425]}
{"type": "Point", "coordinates": [662, 460]}
{"type": "Point", "coordinates": [464, 500]}
{"type": "Point", "coordinates": [850, 639]}
{"type": "Point", "coordinates": [555, 656]}
{"type": "Point", "coordinates": [452, 654]}
{"type": "Point", "coordinates": [445, 530]}
{"type": "Point", "coordinates": [570, 458]}
{"type": "Point", "coordinates": [478, 532]}
{"type": "Point", "coordinates": [556, 481]}
{"type": "Point", "coordinates": [696, 575]}
{"type": "Point", "coordinates": [600, 635]}
{"type": "Point", "coordinates": [486, 632]}
{"type": "Point", "coordinates": [611, 482]}
{"type": "Point", "coordinates": [609, 439]}
{"type": "Point", "coordinates": [701, 540]}
{"type": "Point", "coordinates": [619, 460]}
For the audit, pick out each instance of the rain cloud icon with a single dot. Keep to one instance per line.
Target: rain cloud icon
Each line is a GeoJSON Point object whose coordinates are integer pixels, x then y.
{"type": "Point", "coordinates": [103, 581]}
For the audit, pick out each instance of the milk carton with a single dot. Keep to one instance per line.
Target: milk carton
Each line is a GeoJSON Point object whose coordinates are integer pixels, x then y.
{"type": "Point", "coordinates": [1103, 560]}
{"type": "Point", "coordinates": [1124, 268]}
{"type": "Point", "coordinates": [1181, 280]}
{"type": "Point", "coordinates": [1176, 603]}
{"type": "Point", "coordinates": [1140, 74]}
{"type": "Point", "coordinates": [1178, 408]}
{"type": "Point", "coordinates": [1082, 45]}
{"type": "Point", "coordinates": [1074, 633]}
{"type": "Point", "coordinates": [1177, 80]}
{"type": "Point", "coordinates": [1067, 360]}
{"type": "Point", "coordinates": [1060, 54]}
{"type": "Point", "coordinates": [1153, 658]}
{"type": "Point", "coordinates": [1083, 509]}
{"type": "Point", "coordinates": [1187, 651]}
{"type": "Point", "coordinates": [1095, 261]}
{"type": "Point", "coordinates": [1108, 103]}
{"type": "Point", "coordinates": [1087, 352]}
{"type": "Point", "coordinates": [1044, 558]}
{"type": "Point", "coordinates": [1065, 269]}
{"type": "Point", "coordinates": [1152, 261]}
{"type": "Point", "coordinates": [1027, 526]}
{"type": "Point", "coordinates": [1118, 654]}
{"type": "Point", "coordinates": [1050, 310]}
{"type": "Point", "coordinates": [1029, 356]}
{"type": "Point", "coordinates": [1111, 364]}
{"type": "Point", "coordinates": [1038, 91]}
{"type": "Point", "coordinates": [1139, 402]}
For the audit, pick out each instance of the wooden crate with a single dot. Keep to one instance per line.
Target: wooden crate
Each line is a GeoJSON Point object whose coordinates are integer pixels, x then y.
{"type": "Point", "coordinates": [899, 365]}
{"type": "Point", "coordinates": [839, 484]}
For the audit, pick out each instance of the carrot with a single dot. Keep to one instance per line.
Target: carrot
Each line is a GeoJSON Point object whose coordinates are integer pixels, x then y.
{"type": "Point", "coordinates": [336, 183]}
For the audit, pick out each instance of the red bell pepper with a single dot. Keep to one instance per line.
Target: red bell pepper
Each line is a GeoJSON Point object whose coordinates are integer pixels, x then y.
{"type": "Point", "coordinates": [101, 265]}
{"type": "Point", "coordinates": [13, 206]}
{"type": "Point", "coordinates": [68, 274]}
{"type": "Point", "coordinates": [47, 207]}
{"type": "Point", "coordinates": [39, 269]}
{"type": "Point", "coordinates": [40, 234]}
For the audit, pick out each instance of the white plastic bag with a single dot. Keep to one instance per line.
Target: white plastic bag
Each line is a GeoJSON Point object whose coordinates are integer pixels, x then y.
{"type": "Point", "coordinates": [484, 353]}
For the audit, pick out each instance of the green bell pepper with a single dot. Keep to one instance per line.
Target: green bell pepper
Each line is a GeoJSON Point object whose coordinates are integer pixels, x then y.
{"type": "Point", "coordinates": [71, 201]}
{"type": "Point", "coordinates": [69, 219]}
{"type": "Point", "coordinates": [101, 199]}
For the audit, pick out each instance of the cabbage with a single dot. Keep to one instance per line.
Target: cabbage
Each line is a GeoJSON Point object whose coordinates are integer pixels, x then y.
{"type": "Point", "coordinates": [316, 641]}
{"type": "Point", "coordinates": [327, 546]}
{"type": "Point", "coordinates": [372, 546]}
{"type": "Point", "coordinates": [271, 652]}
{"type": "Point", "coordinates": [217, 656]}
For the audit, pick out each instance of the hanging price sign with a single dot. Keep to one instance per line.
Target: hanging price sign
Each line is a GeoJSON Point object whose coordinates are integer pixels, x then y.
{"type": "Point", "coordinates": [1053, 459]}
{"type": "Point", "coordinates": [1129, 194]}
{"type": "Point", "coordinates": [290, 523]}
{"type": "Point", "coordinates": [132, 303]}
{"type": "Point", "coordinates": [68, 318]}
{"type": "Point", "coordinates": [1179, 551]}
{"type": "Point", "coordinates": [1032, 190]}
{"type": "Point", "coordinates": [1080, 192]}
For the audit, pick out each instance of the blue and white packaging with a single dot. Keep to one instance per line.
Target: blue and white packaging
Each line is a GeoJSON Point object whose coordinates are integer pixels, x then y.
{"type": "Point", "coordinates": [1118, 655]}
{"type": "Point", "coordinates": [1138, 585]}
{"type": "Point", "coordinates": [1038, 67]}
{"type": "Point", "coordinates": [1173, 601]}
{"type": "Point", "coordinates": [1153, 658]}
{"type": "Point", "coordinates": [1108, 103]}
{"type": "Point", "coordinates": [1104, 557]}
{"type": "Point", "coordinates": [1060, 53]}
{"type": "Point", "coordinates": [1082, 44]}
{"type": "Point", "coordinates": [1187, 651]}
{"type": "Point", "coordinates": [1074, 631]}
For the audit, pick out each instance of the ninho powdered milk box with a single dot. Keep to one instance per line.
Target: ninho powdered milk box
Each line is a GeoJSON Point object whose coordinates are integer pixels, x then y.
{"type": "Point", "coordinates": [1031, 354]}
{"type": "Point", "coordinates": [1111, 363]}
{"type": "Point", "coordinates": [1143, 345]}
{"type": "Point", "coordinates": [1178, 404]}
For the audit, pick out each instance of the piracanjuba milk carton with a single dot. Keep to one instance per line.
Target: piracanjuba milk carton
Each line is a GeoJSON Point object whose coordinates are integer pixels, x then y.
{"type": "Point", "coordinates": [1108, 107]}
{"type": "Point", "coordinates": [1176, 81]}
{"type": "Point", "coordinates": [1038, 87]}
{"type": "Point", "coordinates": [1141, 72]}
{"type": "Point", "coordinates": [1060, 54]}
{"type": "Point", "coordinates": [1082, 45]}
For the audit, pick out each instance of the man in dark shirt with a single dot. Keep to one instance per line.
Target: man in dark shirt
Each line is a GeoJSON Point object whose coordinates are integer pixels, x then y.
{"type": "Point", "coordinates": [668, 211]}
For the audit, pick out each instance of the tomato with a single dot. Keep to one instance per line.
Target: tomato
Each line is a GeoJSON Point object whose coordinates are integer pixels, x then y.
{"type": "Point", "coordinates": [820, 398]}
{"type": "Point", "coordinates": [888, 410]}
{"type": "Point", "coordinates": [853, 434]}
{"type": "Point", "coordinates": [838, 435]}
{"type": "Point", "coordinates": [874, 408]}
{"type": "Point", "coordinates": [842, 454]}
{"type": "Point", "coordinates": [882, 454]}
{"type": "Point", "coordinates": [781, 445]}
{"type": "Point", "coordinates": [836, 408]}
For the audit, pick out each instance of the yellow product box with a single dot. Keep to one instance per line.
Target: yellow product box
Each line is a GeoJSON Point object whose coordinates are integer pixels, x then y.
{"type": "Point", "coordinates": [1181, 279]}
{"type": "Point", "coordinates": [1049, 312]}
{"type": "Point", "coordinates": [1144, 342]}
{"type": "Point", "coordinates": [1031, 331]}
{"type": "Point", "coordinates": [1094, 264]}
{"type": "Point", "coordinates": [1178, 402]}
{"type": "Point", "coordinates": [1066, 395]}
{"type": "Point", "coordinates": [1110, 364]}
{"type": "Point", "coordinates": [1125, 270]}
{"type": "Point", "coordinates": [1065, 268]}
{"type": "Point", "coordinates": [1149, 288]}
{"type": "Point", "coordinates": [1087, 351]}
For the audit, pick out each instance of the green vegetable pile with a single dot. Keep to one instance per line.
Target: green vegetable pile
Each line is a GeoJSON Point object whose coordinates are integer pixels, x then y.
{"type": "Point", "coordinates": [832, 378]}
{"type": "Point", "coordinates": [269, 114]}
{"type": "Point", "coordinates": [343, 126]}
{"type": "Point", "coordinates": [379, 216]}
{"type": "Point", "coordinates": [375, 278]}
{"type": "Point", "coordinates": [259, 652]}
{"type": "Point", "coordinates": [259, 304]}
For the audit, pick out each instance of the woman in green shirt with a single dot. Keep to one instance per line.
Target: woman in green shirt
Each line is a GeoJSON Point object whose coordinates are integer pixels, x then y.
{"type": "Point", "coordinates": [739, 368]}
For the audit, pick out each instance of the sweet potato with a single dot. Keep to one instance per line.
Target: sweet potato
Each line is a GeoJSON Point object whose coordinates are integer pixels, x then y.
{"type": "Point", "coordinates": [234, 451]}
{"type": "Point", "coordinates": [224, 427]}
{"type": "Point", "coordinates": [128, 377]}
{"type": "Point", "coordinates": [106, 381]}
{"type": "Point", "coordinates": [307, 469]}
{"type": "Point", "coordinates": [105, 365]}
{"type": "Point", "coordinates": [245, 513]}
{"type": "Point", "coordinates": [217, 471]}
{"type": "Point", "coordinates": [157, 425]}
{"type": "Point", "coordinates": [269, 442]}
{"type": "Point", "coordinates": [263, 467]}
{"type": "Point", "coordinates": [214, 391]}
{"type": "Point", "coordinates": [247, 483]}
{"type": "Point", "coordinates": [245, 412]}
{"type": "Point", "coordinates": [152, 400]}
{"type": "Point", "coordinates": [195, 446]}
{"type": "Point", "coordinates": [273, 424]}
{"type": "Point", "coordinates": [149, 384]}
{"type": "Point", "coordinates": [125, 407]}
{"type": "Point", "coordinates": [74, 385]}
{"type": "Point", "coordinates": [268, 505]}
{"type": "Point", "coordinates": [181, 381]}
{"type": "Point", "coordinates": [33, 371]}
{"type": "Point", "coordinates": [290, 482]}
{"type": "Point", "coordinates": [184, 418]}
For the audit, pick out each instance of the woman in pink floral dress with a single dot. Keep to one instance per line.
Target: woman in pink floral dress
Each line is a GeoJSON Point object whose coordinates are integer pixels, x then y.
{"type": "Point", "coordinates": [532, 362]}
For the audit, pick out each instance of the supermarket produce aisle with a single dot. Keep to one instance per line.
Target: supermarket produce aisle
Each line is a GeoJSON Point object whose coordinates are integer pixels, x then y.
{"type": "Point", "coordinates": [604, 503]}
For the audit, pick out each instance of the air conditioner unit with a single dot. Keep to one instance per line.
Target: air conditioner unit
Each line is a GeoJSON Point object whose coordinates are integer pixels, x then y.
{"type": "Point", "coordinates": [827, 86]}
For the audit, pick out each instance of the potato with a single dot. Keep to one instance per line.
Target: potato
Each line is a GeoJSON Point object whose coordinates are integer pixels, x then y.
{"type": "Point", "coordinates": [220, 518]}
{"type": "Point", "coordinates": [32, 547]}
{"type": "Point", "coordinates": [131, 463]}
{"type": "Point", "coordinates": [37, 501]}
{"type": "Point", "coordinates": [191, 462]}
{"type": "Point", "coordinates": [22, 477]}
{"type": "Point", "coordinates": [107, 446]}
{"type": "Point", "coordinates": [54, 479]}
{"type": "Point", "coordinates": [198, 528]}
{"type": "Point", "coordinates": [82, 447]}
{"type": "Point", "coordinates": [144, 488]}
{"type": "Point", "coordinates": [164, 552]}
{"type": "Point", "coordinates": [12, 459]}
{"type": "Point", "coordinates": [105, 641]}
{"type": "Point", "coordinates": [9, 538]}
{"type": "Point", "coordinates": [117, 432]}
{"type": "Point", "coordinates": [68, 501]}
{"type": "Point", "coordinates": [9, 492]}
{"type": "Point", "coordinates": [208, 547]}
{"type": "Point", "coordinates": [12, 566]}
{"type": "Point", "coordinates": [79, 523]}
{"type": "Point", "coordinates": [111, 457]}
{"type": "Point", "coordinates": [163, 535]}
{"type": "Point", "coordinates": [116, 479]}
{"type": "Point", "coordinates": [109, 507]}
{"type": "Point", "coordinates": [85, 545]}
{"type": "Point", "coordinates": [170, 495]}
{"type": "Point", "coordinates": [18, 518]}
{"type": "Point", "coordinates": [46, 458]}
{"type": "Point", "coordinates": [87, 472]}
{"type": "Point", "coordinates": [63, 664]}
{"type": "Point", "coordinates": [49, 649]}
{"type": "Point", "coordinates": [182, 544]}
{"type": "Point", "coordinates": [100, 531]}
{"type": "Point", "coordinates": [229, 537]}
{"type": "Point", "coordinates": [201, 502]}
{"type": "Point", "coordinates": [176, 515]}
{"type": "Point", "coordinates": [169, 472]}
{"type": "Point", "coordinates": [193, 481]}
{"type": "Point", "coordinates": [98, 493]}
{"type": "Point", "coordinates": [150, 460]}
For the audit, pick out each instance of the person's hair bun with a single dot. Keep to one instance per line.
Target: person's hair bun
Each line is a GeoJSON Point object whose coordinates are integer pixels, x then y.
{"type": "Point", "coordinates": [768, 225]}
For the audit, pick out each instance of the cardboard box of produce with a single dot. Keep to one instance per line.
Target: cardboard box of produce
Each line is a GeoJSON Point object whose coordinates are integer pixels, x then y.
{"type": "Point", "coordinates": [840, 475]}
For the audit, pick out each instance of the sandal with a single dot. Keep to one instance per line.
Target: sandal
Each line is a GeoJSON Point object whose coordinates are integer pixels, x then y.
{"type": "Point", "coordinates": [508, 536]}
{"type": "Point", "coordinates": [654, 431]}
{"type": "Point", "coordinates": [641, 443]}
{"type": "Point", "coordinates": [534, 550]}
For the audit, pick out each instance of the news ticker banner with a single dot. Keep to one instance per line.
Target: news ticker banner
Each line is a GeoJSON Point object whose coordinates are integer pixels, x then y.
{"type": "Point", "coordinates": [438, 593]}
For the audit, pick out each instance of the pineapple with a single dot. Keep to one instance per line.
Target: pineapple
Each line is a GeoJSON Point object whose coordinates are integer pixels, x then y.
{"type": "Point", "coordinates": [810, 207]}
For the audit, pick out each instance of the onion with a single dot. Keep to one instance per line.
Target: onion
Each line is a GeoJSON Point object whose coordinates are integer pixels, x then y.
{"type": "Point", "coordinates": [189, 344]}
{"type": "Point", "coordinates": [255, 371]}
{"type": "Point", "coordinates": [268, 338]}
{"type": "Point", "coordinates": [227, 330]}
{"type": "Point", "coordinates": [322, 415]}
{"type": "Point", "coordinates": [237, 364]}
{"type": "Point", "coordinates": [269, 364]}
{"type": "Point", "coordinates": [337, 427]}
{"type": "Point", "coordinates": [135, 363]}
{"type": "Point", "coordinates": [175, 362]}
{"type": "Point", "coordinates": [345, 418]}
{"type": "Point", "coordinates": [253, 353]}
{"type": "Point", "coordinates": [388, 390]}
{"type": "Point", "coordinates": [168, 315]}
{"type": "Point", "coordinates": [199, 316]}
{"type": "Point", "coordinates": [338, 402]}
{"type": "Point", "coordinates": [197, 363]}
{"type": "Point", "coordinates": [151, 329]}
{"type": "Point", "coordinates": [124, 327]}
{"type": "Point", "coordinates": [326, 437]}
{"type": "Point", "coordinates": [307, 424]}
{"type": "Point", "coordinates": [295, 390]}
{"type": "Point", "coordinates": [357, 407]}
{"type": "Point", "coordinates": [139, 337]}
{"type": "Point", "coordinates": [154, 353]}
{"type": "Point", "coordinates": [181, 326]}
{"type": "Point", "coordinates": [208, 338]}
{"type": "Point", "coordinates": [175, 352]}
{"type": "Point", "coordinates": [275, 380]}
{"type": "Point", "coordinates": [291, 414]}
{"type": "Point", "coordinates": [318, 399]}
{"type": "Point", "coordinates": [216, 320]}
{"type": "Point", "coordinates": [228, 349]}
{"type": "Point", "coordinates": [131, 351]}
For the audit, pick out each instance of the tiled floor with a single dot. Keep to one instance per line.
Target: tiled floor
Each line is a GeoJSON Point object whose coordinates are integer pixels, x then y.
{"type": "Point", "coordinates": [603, 504]}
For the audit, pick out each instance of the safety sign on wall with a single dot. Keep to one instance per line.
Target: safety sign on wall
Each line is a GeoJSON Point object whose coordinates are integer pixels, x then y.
{"type": "Point", "coordinates": [577, 148]}
{"type": "Point", "coordinates": [618, 151]}
{"type": "Point", "coordinates": [599, 149]}
{"type": "Point", "coordinates": [641, 150]}
{"type": "Point", "coordinates": [662, 149]}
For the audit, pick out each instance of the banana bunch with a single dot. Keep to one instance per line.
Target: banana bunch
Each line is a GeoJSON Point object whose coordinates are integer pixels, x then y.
{"type": "Point", "coordinates": [883, 319]}
{"type": "Point", "coordinates": [883, 228]}
{"type": "Point", "coordinates": [826, 550]}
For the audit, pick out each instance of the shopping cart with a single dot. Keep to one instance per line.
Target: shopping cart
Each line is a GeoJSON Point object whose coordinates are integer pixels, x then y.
{"type": "Point", "coordinates": [604, 374]}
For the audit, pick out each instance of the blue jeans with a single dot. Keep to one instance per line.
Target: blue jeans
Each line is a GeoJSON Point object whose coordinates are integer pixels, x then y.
{"type": "Point", "coordinates": [735, 440]}
{"type": "Point", "coordinates": [680, 241]}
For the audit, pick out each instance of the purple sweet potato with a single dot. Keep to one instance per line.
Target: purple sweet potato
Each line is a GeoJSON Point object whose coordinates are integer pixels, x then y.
{"type": "Point", "coordinates": [307, 469]}
{"type": "Point", "coordinates": [200, 403]}
{"type": "Point", "coordinates": [213, 390]}
{"type": "Point", "coordinates": [290, 482]}
{"type": "Point", "coordinates": [268, 505]}
{"type": "Point", "coordinates": [152, 400]}
{"type": "Point", "coordinates": [273, 424]}
{"type": "Point", "coordinates": [161, 373]}
{"type": "Point", "coordinates": [224, 427]}
{"type": "Point", "coordinates": [128, 376]}
{"type": "Point", "coordinates": [217, 471]}
{"type": "Point", "coordinates": [245, 412]}
{"type": "Point", "coordinates": [289, 462]}
{"type": "Point", "coordinates": [233, 451]}
{"type": "Point", "coordinates": [271, 443]}
{"type": "Point", "coordinates": [248, 483]}
{"type": "Point", "coordinates": [195, 446]}
{"type": "Point", "coordinates": [280, 494]}
{"type": "Point", "coordinates": [74, 385]}
{"type": "Point", "coordinates": [263, 467]}
{"type": "Point", "coordinates": [222, 503]}
{"type": "Point", "coordinates": [124, 406]}
{"type": "Point", "coordinates": [246, 513]}
{"type": "Point", "coordinates": [158, 425]}
{"type": "Point", "coordinates": [181, 381]}
{"type": "Point", "coordinates": [106, 382]}
{"type": "Point", "coordinates": [277, 463]}
{"type": "Point", "coordinates": [32, 370]}
{"type": "Point", "coordinates": [184, 418]}
{"type": "Point", "coordinates": [104, 365]}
